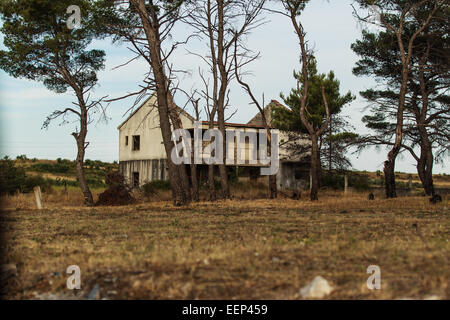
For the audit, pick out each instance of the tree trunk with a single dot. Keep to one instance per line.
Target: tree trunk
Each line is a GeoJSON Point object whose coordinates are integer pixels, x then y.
{"type": "Point", "coordinates": [425, 162]}
{"type": "Point", "coordinates": [154, 47]}
{"type": "Point", "coordinates": [88, 200]}
{"type": "Point", "coordinates": [330, 153]}
{"type": "Point", "coordinates": [425, 171]}
{"type": "Point", "coordinates": [222, 167]}
{"type": "Point", "coordinates": [389, 174]}
{"type": "Point", "coordinates": [80, 139]}
{"type": "Point", "coordinates": [314, 169]}
{"type": "Point", "coordinates": [221, 57]}
{"type": "Point", "coordinates": [319, 168]}
{"type": "Point", "coordinates": [182, 168]}
{"type": "Point", "coordinates": [212, 188]}
{"type": "Point", "coordinates": [195, 185]}
{"type": "Point", "coordinates": [273, 192]}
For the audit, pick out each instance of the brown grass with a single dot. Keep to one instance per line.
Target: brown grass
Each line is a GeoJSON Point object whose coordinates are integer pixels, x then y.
{"type": "Point", "coordinates": [249, 249]}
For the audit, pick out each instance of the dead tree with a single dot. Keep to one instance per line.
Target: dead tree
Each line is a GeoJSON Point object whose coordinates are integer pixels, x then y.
{"type": "Point", "coordinates": [267, 123]}
{"type": "Point", "coordinates": [292, 9]}
{"type": "Point", "coordinates": [222, 24]}
{"type": "Point", "coordinates": [147, 26]}
{"type": "Point", "coordinates": [194, 178]}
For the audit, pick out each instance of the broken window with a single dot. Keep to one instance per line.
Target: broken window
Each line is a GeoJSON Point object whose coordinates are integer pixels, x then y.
{"type": "Point", "coordinates": [136, 179]}
{"type": "Point", "coordinates": [126, 140]}
{"type": "Point", "coordinates": [136, 143]}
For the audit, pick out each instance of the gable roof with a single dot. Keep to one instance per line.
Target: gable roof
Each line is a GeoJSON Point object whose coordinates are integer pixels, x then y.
{"type": "Point", "coordinates": [257, 119]}
{"type": "Point", "coordinates": [180, 110]}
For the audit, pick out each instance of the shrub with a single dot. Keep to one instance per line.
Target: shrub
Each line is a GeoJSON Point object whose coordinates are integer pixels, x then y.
{"type": "Point", "coordinates": [359, 181]}
{"type": "Point", "coordinates": [159, 185]}
{"type": "Point", "coordinates": [118, 193]}
{"type": "Point", "coordinates": [22, 157]}
{"type": "Point", "coordinates": [332, 180]}
{"type": "Point", "coordinates": [12, 178]}
{"type": "Point", "coordinates": [148, 190]}
{"type": "Point", "coordinates": [335, 180]}
{"type": "Point", "coordinates": [58, 167]}
{"type": "Point", "coordinates": [34, 181]}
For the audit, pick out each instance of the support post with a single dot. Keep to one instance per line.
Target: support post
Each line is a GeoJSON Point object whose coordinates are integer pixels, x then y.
{"type": "Point", "coordinates": [38, 196]}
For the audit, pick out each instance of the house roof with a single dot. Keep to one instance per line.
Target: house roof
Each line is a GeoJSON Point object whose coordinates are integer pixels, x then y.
{"type": "Point", "coordinates": [255, 122]}
{"type": "Point", "coordinates": [241, 125]}
{"type": "Point", "coordinates": [180, 110]}
{"type": "Point", "coordinates": [257, 119]}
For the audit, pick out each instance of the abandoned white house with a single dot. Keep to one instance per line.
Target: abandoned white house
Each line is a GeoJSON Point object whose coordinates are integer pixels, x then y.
{"type": "Point", "coordinates": [142, 157]}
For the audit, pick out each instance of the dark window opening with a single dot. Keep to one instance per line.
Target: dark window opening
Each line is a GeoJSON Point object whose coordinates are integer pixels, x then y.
{"type": "Point", "coordinates": [126, 140]}
{"type": "Point", "coordinates": [301, 174]}
{"type": "Point", "coordinates": [136, 143]}
{"type": "Point", "coordinates": [136, 179]}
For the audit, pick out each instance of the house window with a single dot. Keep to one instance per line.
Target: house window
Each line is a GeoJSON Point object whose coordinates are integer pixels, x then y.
{"type": "Point", "coordinates": [136, 179]}
{"type": "Point", "coordinates": [136, 143]}
{"type": "Point", "coordinates": [126, 140]}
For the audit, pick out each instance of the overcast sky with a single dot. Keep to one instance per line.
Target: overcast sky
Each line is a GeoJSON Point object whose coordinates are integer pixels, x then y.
{"type": "Point", "coordinates": [331, 29]}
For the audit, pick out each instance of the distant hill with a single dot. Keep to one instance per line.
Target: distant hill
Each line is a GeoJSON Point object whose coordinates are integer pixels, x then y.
{"type": "Point", "coordinates": [62, 172]}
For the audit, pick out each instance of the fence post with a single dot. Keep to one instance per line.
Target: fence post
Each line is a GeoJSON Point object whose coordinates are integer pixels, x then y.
{"type": "Point", "coordinates": [410, 185]}
{"type": "Point", "coordinates": [346, 183]}
{"type": "Point", "coordinates": [38, 196]}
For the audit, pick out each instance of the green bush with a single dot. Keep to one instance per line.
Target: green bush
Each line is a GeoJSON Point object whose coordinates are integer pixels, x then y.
{"type": "Point", "coordinates": [336, 180]}
{"type": "Point", "coordinates": [34, 181]}
{"type": "Point", "coordinates": [332, 180]}
{"type": "Point", "coordinates": [148, 190]}
{"type": "Point", "coordinates": [58, 167]}
{"type": "Point", "coordinates": [12, 178]}
{"type": "Point", "coordinates": [95, 181]}
{"type": "Point", "coordinates": [158, 185]}
{"type": "Point", "coordinates": [359, 181]}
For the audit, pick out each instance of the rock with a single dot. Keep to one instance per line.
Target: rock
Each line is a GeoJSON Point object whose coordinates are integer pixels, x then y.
{"type": "Point", "coordinates": [318, 288]}
{"type": "Point", "coordinates": [275, 260]}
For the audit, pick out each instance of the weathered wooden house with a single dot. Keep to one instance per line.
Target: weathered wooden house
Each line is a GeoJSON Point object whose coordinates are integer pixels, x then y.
{"type": "Point", "coordinates": [142, 157]}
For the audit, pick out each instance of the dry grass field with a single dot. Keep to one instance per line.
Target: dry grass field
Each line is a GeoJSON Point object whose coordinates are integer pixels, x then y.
{"type": "Point", "coordinates": [248, 249]}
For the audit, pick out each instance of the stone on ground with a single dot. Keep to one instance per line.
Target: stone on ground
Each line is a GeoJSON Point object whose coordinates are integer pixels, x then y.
{"type": "Point", "coordinates": [316, 289]}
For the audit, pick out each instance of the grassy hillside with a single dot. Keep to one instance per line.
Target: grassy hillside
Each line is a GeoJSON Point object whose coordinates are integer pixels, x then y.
{"type": "Point", "coordinates": [62, 172]}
